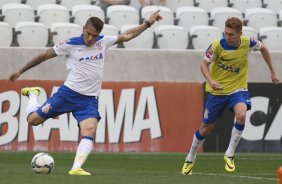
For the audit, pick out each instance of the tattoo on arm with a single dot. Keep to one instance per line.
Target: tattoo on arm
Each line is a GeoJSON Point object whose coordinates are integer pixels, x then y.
{"type": "Point", "coordinates": [50, 53]}
{"type": "Point", "coordinates": [132, 33]}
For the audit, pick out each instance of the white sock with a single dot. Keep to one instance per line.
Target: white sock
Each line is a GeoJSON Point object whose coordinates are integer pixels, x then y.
{"type": "Point", "coordinates": [191, 157]}
{"type": "Point", "coordinates": [32, 105]}
{"type": "Point", "coordinates": [83, 150]}
{"type": "Point", "coordinates": [234, 141]}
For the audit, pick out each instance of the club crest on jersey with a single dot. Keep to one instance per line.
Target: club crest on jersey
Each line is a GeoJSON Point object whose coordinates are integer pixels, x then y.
{"type": "Point", "coordinates": [46, 108]}
{"type": "Point", "coordinates": [95, 57]}
{"type": "Point", "coordinates": [99, 45]}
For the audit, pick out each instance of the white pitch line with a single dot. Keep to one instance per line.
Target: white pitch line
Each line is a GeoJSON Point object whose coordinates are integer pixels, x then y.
{"type": "Point", "coordinates": [236, 176]}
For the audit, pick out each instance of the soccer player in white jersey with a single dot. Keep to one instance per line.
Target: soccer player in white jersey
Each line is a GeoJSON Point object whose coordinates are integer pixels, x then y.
{"type": "Point", "coordinates": [85, 60]}
{"type": "Point", "coordinates": [227, 85]}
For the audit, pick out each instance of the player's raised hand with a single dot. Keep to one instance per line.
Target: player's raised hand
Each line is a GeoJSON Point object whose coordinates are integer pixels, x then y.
{"type": "Point", "coordinates": [155, 17]}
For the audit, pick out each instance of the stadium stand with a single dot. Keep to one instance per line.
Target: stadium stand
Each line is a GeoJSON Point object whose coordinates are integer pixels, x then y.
{"type": "Point", "coordinates": [210, 4]}
{"type": "Point", "coordinates": [202, 36]}
{"type": "Point", "coordinates": [31, 34]}
{"type": "Point", "coordinates": [14, 13]}
{"type": "Point", "coordinates": [52, 13]}
{"type": "Point", "coordinates": [189, 16]}
{"type": "Point", "coordinates": [35, 3]}
{"type": "Point", "coordinates": [172, 37]}
{"type": "Point", "coordinates": [143, 41]}
{"type": "Point", "coordinates": [173, 5]}
{"type": "Point", "coordinates": [62, 31]}
{"type": "Point", "coordinates": [221, 14]}
{"type": "Point", "coordinates": [260, 17]}
{"type": "Point", "coordinates": [120, 15]}
{"type": "Point", "coordinates": [3, 2]}
{"type": "Point", "coordinates": [110, 30]}
{"type": "Point", "coordinates": [242, 5]}
{"type": "Point", "coordinates": [81, 13]}
{"type": "Point", "coordinates": [69, 4]}
{"type": "Point", "coordinates": [275, 5]}
{"type": "Point", "coordinates": [6, 35]}
{"type": "Point", "coordinates": [271, 37]}
{"type": "Point", "coordinates": [251, 32]}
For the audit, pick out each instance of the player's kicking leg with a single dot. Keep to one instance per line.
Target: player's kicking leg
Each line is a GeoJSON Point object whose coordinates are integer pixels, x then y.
{"type": "Point", "coordinates": [27, 91]}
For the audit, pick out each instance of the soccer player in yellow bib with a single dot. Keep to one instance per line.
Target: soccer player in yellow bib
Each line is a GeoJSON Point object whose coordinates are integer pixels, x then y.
{"type": "Point", "coordinates": [227, 85]}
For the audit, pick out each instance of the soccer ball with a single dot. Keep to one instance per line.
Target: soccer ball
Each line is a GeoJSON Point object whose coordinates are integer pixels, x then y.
{"type": "Point", "coordinates": [42, 163]}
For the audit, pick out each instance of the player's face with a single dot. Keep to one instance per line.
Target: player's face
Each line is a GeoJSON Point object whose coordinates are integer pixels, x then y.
{"type": "Point", "coordinates": [90, 35]}
{"type": "Point", "coordinates": [232, 37]}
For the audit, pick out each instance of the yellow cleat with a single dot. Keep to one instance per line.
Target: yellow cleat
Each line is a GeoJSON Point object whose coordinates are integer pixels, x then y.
{"type": "Point", "coordinates": [187, 168]}
{"type": "Point", "coordinates": [27, 91]}
{"type": "Point", "coordinates": [229, 164]}
{"type": "Point", "coordinates": [79, 172]}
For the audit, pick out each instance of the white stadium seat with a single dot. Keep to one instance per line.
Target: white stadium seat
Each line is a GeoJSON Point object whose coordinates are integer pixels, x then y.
{"type": "Point", "coordinates": [35, 3]}
{"type": "Point", "coordinates": [82, 13]}
{"type": "Point", "coordinates": [166, 13]}
{"type": "Point", "coordinates": [110, 30]}
{"type": "Point", "coordinates": [251, 32]}
{"type": "Point", "coordinates": [6, 35]}
{"type": "Point", "coordinates": [260, 17]}
{"type": "Point", "coordinates": [31, 34]}
{"type": "Point", "coordinates": [63, 31]}
{"type": "Point", "coordinates": [172, 37]}
{"type": "Point", "coordinates": [14, 13]}
{"type": "Point", "coordinates": [143, 41]}
{"type": "Point", "coordinates": [173, 5]}
{"type": "Point", "coordinates": [271, 37]}
{"type": "Point", "coordinates": [120, 15]}
{"type": "Point", "coordinates": [210, 4]}
{"type": "Point", "coordinates": [203, 36]}
{"type": "Point", "coordinates": [69, 4]}
{"type": "Point", "coordinates": [189, 16]}
{"type": "Point", "coordinates": [275, 5]}
{"type": "Point", "coordinates": [52, 13]}
{"type": "Point", "coordinates": [242, 5]}
{"type": "Point", "coordinates": [221, 14]}
{"type": "Point", "coordinates": [3, 2]}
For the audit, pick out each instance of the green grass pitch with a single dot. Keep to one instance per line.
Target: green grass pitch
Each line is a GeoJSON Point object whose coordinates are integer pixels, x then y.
{"type": "Point", "coordinates": [142, 168]}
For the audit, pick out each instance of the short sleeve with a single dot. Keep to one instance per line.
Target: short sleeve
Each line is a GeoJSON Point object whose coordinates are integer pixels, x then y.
{"type": "Point", "coordinates": [209, 55]}
{"type": "Point", "coordinates": [62, 48]}
{"type": "Point", "coordinates": [255, 45]}
{"type": "Point", "coordinates": [110, 40]}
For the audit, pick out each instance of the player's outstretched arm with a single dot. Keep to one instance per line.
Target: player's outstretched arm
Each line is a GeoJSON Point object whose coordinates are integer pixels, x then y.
{"type": "Point", "coordinates": [136, 31]}
{"type": "Point", "coordinates": [266, 56]}
{"type": "Point", "coordinates": [50, 53]}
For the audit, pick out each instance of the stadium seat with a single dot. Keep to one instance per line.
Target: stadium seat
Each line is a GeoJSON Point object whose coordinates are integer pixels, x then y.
{"type": "Point", "coordinates": [143, 41]}
{"type": "Point", "coordinates": [69, 4]}
{"type": "Point", "coordinates": [172, 37]}
{"type": "Point", "coordinates": [275, 5]}
{"type": "Point", "coordinates": [221, 14]}
{"type": "Point", "coordinates": [166, 13]}
{"type": "Point", "coordinates": [251, 32]}
{"type": "Point", "coordinates": [173, 5]}
{"type": "Point", "coordinates": [210, 4]}
{"type": "Point", "coordinates": [52, 13]}
{"type": "Point", "coordinates": [31, 34]}
{"type": "Point", "coordinates": [6, 35]}
{"type": "Point", "coordinates": [280, 18]}
{"type": "Point", "coordinates": [62, 31]}
{"type": "Point", "coordinates": [3, 2]}
{"type": "Point", "coordinates": [242, 5]}
{"type": "Point", "coordinates": [119, 15]}
{"type": "Point", "coordinates": [202, 36]}
{"type": "Point", "coordinates": [271, 37]}
{"type": "Point", "coordinates": [260, 17]}
{"type": "Point", "coordinates": [81, 13]}
{"type": "Point", "coordinates": [110, 30]}
{"type": "Point", "coordinates": [35, 3]}
{"type": "Point", "coordinates": [189, 16]}
{"type": "Point", "coordinates": [14, 13]}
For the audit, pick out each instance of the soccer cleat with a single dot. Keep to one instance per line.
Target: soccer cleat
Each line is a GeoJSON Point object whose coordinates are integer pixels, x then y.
{"type": "Point", "coordinates": [229, 164]}
{"type": "Point", "coordinates": [79, 172]}
{"type": "Point", "coordinates": [187, 168]}
{"type": "Point", "coordinates": [27, 91]}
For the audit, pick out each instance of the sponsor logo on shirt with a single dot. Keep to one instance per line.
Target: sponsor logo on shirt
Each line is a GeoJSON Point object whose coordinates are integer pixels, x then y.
{"type": "Point", "coordinates": [95, 57]}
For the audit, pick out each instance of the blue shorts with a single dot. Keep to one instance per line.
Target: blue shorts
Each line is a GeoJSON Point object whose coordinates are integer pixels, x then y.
{"type": "Point", "coordinates": [216, 104]}
{"type": "Point", "coordinates": [66, 100]}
